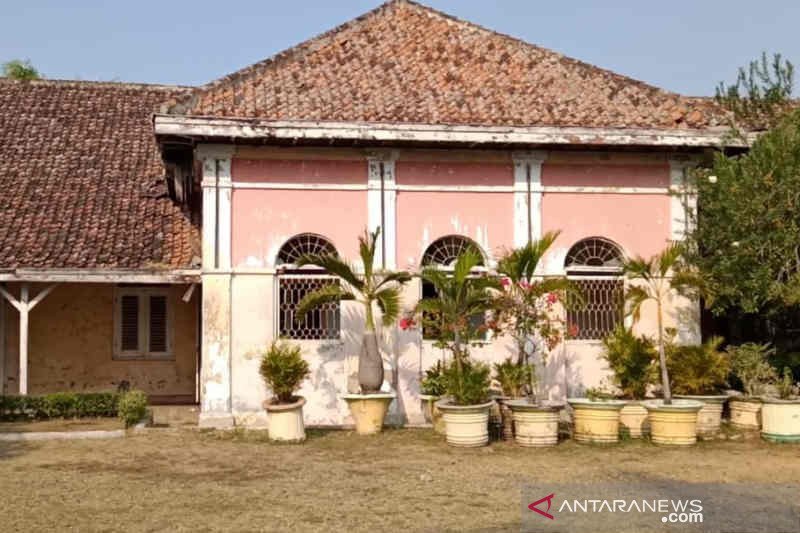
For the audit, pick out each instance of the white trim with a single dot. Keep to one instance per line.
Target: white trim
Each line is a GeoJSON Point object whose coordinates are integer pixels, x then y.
{"type": "Point", "coordinates": [550, 189]}
{"type": "Point", "coordinates": [224, 213]}
{"type": "Point", "coordinates": [249, 128]}
{"type": "Point", "coordinates": [382, 205]}
{"type": "Point", "coordinates": [527, 196]}
{"type": "Point", "coordinates": [682, 201]}
{"type": "Point", "coordinates": [301, 186]}
{"type": "Point", "coordinates": [89, 275]}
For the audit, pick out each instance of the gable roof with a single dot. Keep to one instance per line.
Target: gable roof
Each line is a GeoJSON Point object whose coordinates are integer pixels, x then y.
{"type": "Point", "coordinates": [82, 179]}
{"type": "Point", "coordinates": [407, 63]}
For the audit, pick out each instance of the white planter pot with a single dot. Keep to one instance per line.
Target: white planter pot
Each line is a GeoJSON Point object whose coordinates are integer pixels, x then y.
{"type": "Point", "coordinates": [780, 420]}
{"type": "Point", "coordinates": [746, 413]}
{"type": "Point", "coordinates": [431, 413]}
{"type": "Point", "coordinates": [369, 410]}
{"type": "Point", "coordinates": [286, 420]}
{"type": "Point", "coordinates": [709, 418]}
{"type": "Point", "coordinates": [633, 419]}
{"type": "Point", "coordinates": [535, 425]}
{"type": "Point", "coordinates": [466, 426]}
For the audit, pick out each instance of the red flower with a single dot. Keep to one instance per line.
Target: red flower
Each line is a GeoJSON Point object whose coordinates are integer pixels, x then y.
{"type": "Point", "coordinates": [573, 330]}
{"type": "Point", "coordinates": [552, 297]}
{"type": "Point", "coordinates": [406, 323]}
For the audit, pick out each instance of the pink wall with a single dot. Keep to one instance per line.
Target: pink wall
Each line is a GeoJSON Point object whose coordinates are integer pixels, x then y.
{"type": "Point", "coordinates": [423, 217]}
{"type": "Point", "coordinates": [299, 171]}
{"type": "Point", "coordinates": [640, 223]}
{"type": "Point", "coordinates": [598, 175]}
{"type": "Point", "coordinates": [263, 219]}
{"type": "Point", "coordinates": [453, 173]}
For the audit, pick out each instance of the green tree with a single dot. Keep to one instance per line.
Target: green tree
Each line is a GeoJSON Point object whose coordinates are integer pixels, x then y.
{"type": "Point", "coordinates": [17, 69]}
{"type": "Point", "coordinates": [373, 287]}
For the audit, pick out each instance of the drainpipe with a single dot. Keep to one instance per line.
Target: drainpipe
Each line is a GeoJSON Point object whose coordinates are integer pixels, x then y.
{"type": "Point", "coordinates": [383, 216]}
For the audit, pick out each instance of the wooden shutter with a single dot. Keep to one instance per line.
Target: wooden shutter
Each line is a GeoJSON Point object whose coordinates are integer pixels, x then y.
{"type": "Point", "coordinates": [129, 323]}
{"type": "Point", "coordinates": [158, 324]}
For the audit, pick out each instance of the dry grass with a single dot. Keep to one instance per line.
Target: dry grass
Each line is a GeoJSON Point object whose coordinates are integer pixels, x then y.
{"type": "Point", "coordinates": [400, 480]}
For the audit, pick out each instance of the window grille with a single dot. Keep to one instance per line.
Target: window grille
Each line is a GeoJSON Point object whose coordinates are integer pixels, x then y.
{"type": "Point", "coordinates": [602, 307]}
{"type": "Point", "coordinates": [322, 322]}
{"type": "Point", "coordinates": [305, 243]}
{"type": "Point", "coordinates": [446, 250]}
{"type": "Point", "coordinates": [595, 266]}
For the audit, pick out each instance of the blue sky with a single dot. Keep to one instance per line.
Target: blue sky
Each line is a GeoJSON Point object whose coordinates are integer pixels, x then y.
{"type": "Point", "coordinates": [681, 45]}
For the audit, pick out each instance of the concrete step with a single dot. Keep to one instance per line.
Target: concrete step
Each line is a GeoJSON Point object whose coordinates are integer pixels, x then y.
{"type": "Point", "coordinates": [175, 415]}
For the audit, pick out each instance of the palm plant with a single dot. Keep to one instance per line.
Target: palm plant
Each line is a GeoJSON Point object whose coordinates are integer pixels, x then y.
{"type": "Point", "coordinates": [654, 284]}
{"type": "Point", "coordinates": [460, 296]}
{"type": "Point", "coordinates": [525, 306]}
{"type": "Point", "coordinates": [373, 287]}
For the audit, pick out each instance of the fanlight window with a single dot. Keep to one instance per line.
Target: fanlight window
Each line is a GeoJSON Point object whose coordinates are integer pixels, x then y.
{"type": "Point", "coordinates": [443, 253]}
{"type": "Point", "coordinates": [322, 322]}
{"type": "Point", "coordinates": [446, 250]}
{"type": "Point", "coordinates": [306, 243]}
{"type": "Point", "coordinates": [595, 266]}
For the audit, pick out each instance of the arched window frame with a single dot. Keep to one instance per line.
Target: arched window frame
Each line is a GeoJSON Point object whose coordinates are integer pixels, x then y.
{"type": "Point", "coordinates": [429, 259]}
{"type": "Point", "coordinates": [594, 264]}
{"type": "Point", "coordinates": [293, 283]}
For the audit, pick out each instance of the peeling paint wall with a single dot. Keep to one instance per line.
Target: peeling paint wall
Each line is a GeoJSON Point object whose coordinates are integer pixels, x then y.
{"type": "Point", "coordinates": [71, 345]}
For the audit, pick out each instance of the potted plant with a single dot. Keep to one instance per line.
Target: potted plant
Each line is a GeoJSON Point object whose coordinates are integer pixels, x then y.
{"type": "Point", "coordinates": [374, 289]}
{"type": "Point", "coordinates": [595, 417]}
{"type": "Point", "coordinates": [513, 379]}
{"type": "Point", "coordinates": [283, 369]}
{"type": "Point", "coordinates": [780, 415]}
{"type": "Point", "coordinates": [460, 295]}
{"type": "Point", "coordinates": [750, 363]}
{"type": "Point", "coordinates": [431, 391]}
{"type": "Point", "coordinates": [671, 421]}
{"type": "Point", "coordinates": [630, 358]}
{"type": "Point", "coordinates": [699, 372]}
{"type": "Point", "coordinates": [528, 309]}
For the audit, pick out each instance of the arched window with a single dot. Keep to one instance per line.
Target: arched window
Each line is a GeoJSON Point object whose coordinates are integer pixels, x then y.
{"type": "Point", "coordinates": [595, 266]}
{"type": "Point", "coordinates": [443, 253]}
{"type": "Point", "coordinates": [294, 283]}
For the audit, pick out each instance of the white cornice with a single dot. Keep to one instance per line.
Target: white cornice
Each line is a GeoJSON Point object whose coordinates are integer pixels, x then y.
{"type": "Point", "coordinates": [231, 128]}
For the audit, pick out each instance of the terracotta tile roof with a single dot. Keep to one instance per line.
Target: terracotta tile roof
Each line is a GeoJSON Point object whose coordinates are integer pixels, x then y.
{"type": "Point", "coordinates": [82, 180]}
{"type": "Point", "coordinates": [404, 62]}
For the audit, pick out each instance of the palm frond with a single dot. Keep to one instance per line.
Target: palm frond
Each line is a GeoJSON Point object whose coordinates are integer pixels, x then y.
{"type": "Point", "coordinates": [366, 249]}
{"type": "Point", "coordinates": [326, 294]}
{"type": "Point", "coordinates": [521, 263]}
{"type": "Point", "coordinates": [466, 261]}
{"type": "Point", "coordinates": [668, 259]}
{"type": "Point", "coordinates": [638, 267]}
{"type": "Point", "coordinates": [400, 278]}
{"type": "Point", "coordinates": [334, 265]}
{"type": "Point", "coordinates": [634, 299]}
{"type": "Point", "coordinates": [435, 277]}
{"type": "Point", "coordinates": [389, 303]}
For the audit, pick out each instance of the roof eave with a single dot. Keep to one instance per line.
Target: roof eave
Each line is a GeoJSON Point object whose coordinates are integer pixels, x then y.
{"type": "Point", "coordinates": [260, 129]}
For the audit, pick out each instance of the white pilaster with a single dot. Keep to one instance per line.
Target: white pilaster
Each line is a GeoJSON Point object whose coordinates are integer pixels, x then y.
{"type": "Point", "coordinates": [215, 374]}
{"type": "Point", "coordinates": [527, 196]}
{"type": "Point", "coordinates": [382, 205]}
{"type": "Point", "coordinates": [683, 200]}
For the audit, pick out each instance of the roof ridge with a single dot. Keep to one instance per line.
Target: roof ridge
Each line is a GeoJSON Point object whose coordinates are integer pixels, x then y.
{"type": "Point", "coordinates": [94, 83]}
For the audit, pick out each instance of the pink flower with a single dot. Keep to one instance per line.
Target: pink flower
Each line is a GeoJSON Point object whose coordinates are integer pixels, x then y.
{"type": "Point", "coordinates": [552, 297]}
{"type": "Point", "coordinates": [573, 330]}
{"type": "Point", "coordinates": [505, 282]}
{"type": "Point", "coordinates": [406, 323]}
{"type": "Point", "coordinates": [524, 284]}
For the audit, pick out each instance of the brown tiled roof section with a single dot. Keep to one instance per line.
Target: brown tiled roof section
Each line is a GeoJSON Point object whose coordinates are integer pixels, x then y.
{"type": "Point", "coordinates": [81, 179]}
{"type": "Point", "coordinates": [407, 63]}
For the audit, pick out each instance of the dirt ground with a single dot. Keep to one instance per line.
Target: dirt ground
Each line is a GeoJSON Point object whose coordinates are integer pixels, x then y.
{"type": "Point", "coordinates": [401, 480]}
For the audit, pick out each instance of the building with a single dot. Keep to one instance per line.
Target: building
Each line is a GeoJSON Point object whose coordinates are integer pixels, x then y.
{"type": "Point", "coordinates": [154, 228]}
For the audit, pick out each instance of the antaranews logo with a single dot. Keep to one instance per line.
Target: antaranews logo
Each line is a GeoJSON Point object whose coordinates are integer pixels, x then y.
{"type": "Point", "coordinates": [672, 511]}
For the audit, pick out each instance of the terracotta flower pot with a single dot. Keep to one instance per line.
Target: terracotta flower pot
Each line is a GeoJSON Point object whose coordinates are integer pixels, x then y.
{"type": "Point", "coordinates": [780, 420]}
{"type": "Point", "coordinates": [746, 413]}
{"type": "Point", "coordinates": [536, 425]}
{"type": "Point", "coordinates": [286, 420]}
{"type": "Point", "coordinates": [633, 419]}
{"type": "Point", "coordinates": [466, 426]}
{"type": "Point", "coordinates": [709, 418]}
{"type": "Point", "coordinates": [595, 421]}
{"type": "Point", "coordinates": [674, 424]}
{"type": "Point", "coordinates": [432, 413]}
{"type": "Point", "coordinates": [369, 410]}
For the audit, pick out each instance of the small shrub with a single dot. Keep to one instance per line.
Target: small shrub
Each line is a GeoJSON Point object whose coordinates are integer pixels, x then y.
{"type": "Point", "coordinates": [750, 363]}
{"type": "Point", "coordinates": [632, 360]}
{"type": "Point", "coordinates": [132, 407]}
{"type": "Point", "coordinates": [513, 377]}
{"type": "Point", "coordinates": [698, 369]}
{"type": "Point", "coordinates": [785, 385]}
{"type": "Point", "coordinates": [58, 405]}
{"type": "Point", "coordinates": [470, 386]}
{"type": "Point", "coordinates": [283, 369]}
{"type": "Point", "coordinates": [433, 383]}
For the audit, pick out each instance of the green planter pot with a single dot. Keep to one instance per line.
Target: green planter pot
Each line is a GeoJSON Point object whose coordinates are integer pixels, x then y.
{"type": "Point", "coordinates": [780, 420]}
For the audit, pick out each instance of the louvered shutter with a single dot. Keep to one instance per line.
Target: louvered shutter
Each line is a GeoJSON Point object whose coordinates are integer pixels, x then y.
{"type": "Point", "coordinates": [158, 325]}
{"type": "Point", "coordinates": [129, 323]}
